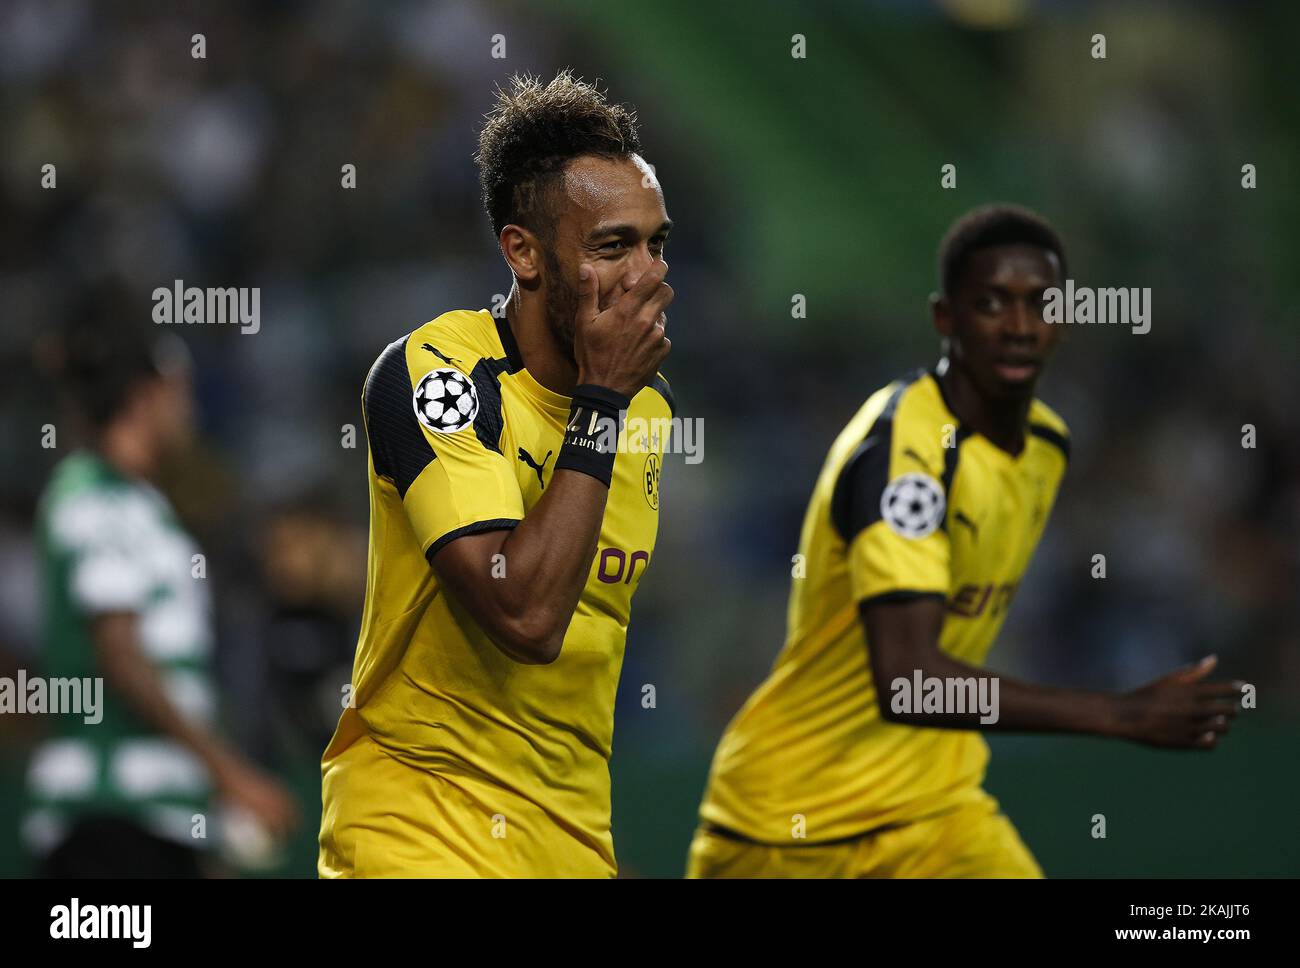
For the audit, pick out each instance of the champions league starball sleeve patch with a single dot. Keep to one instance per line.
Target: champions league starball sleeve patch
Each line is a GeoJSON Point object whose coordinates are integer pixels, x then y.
{"type": "Point", "coordinates": [445, 400]}
{"type": "Point", "coordinates": [913, 505]}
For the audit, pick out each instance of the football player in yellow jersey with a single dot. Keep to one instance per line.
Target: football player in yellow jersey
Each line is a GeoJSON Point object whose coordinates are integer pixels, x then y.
{"type": "Point", "coordinates": [860, 755]}
{"type": "Point", "coordinates": [511, 521]}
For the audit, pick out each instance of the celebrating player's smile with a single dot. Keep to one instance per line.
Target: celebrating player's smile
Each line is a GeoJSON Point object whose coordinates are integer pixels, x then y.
{"type": "Point", "coordinates": [920, 528]}
{"type": "Point", "coordinates": [500, 582]}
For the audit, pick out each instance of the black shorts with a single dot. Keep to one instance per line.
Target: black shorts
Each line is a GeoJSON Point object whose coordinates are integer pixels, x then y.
{"type": "Point", "coordinates": [107, 846]}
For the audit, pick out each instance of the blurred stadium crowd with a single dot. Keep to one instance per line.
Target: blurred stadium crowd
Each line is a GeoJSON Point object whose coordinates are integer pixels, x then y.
{"type": "Point", "coordinates": [820, 178]}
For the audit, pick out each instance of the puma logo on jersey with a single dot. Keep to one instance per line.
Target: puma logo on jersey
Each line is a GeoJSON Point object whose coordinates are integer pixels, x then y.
{"type": "Point", "coordinates": [527, 458]}
{"type": "Point", "coordinates": [974, 528]}
{"type": "Point", "coordinates": [446, 359]}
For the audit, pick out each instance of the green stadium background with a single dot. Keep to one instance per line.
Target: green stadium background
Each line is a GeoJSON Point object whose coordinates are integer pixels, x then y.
{"type": "Point", "coordinates": [817, 176]}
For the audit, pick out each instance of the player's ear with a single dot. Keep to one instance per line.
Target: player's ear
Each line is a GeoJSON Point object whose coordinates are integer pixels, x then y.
{"type": "Point", "coordinates": [522, 252]}
{"type": "Point", "coordinates": [941, 313]}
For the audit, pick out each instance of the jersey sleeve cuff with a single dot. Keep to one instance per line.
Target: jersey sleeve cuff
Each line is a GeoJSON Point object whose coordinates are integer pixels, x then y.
{"type": "Point", "coordinates": [476, 527]}
{"type": "Point", "coordinates": [900, 595]}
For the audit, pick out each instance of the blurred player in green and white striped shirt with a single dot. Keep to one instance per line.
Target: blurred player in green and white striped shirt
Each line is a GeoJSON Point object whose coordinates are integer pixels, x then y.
{"type": "Point", "coordinates": [126, 794]}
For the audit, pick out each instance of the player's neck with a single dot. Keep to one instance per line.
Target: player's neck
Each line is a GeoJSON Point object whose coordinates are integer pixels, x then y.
{"type": "Point", "coordinates": [1002, 421]}
{"type": "Point", "coordinates": [548, 361]}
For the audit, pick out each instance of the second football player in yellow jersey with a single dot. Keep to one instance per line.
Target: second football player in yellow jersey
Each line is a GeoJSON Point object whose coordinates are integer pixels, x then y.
{"type": "Point", "coordinates": [510, 522]}
{"type": "Point", "coordinates": [860, 754]}
{"type": "Point", "coordinates": [895, 515]}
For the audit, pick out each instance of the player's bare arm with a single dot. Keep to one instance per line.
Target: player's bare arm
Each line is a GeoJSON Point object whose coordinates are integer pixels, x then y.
{"type": "Point", "coordinates": [1182, 710]}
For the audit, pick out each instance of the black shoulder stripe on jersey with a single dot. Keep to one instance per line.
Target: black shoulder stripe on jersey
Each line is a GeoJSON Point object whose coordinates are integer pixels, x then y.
{"type": "Point", "coordinates": [950, 457]}
{"type": "Point", "coordinates": [855, 501]}
{"type": "Point", "coordinates": [397, 444]}
{"type": "Point", "coordinates": [660, 386]}
{"type": "Point", "coordinates": [1053, 437]}
{"type": "Point", "coordinates": [478, 527]}
{"type": "Point", "coordinates": [863, 474]}
{"type": "Point", "coordinates": [486, 375]}
{"type": "Point", "coordinates": [933, 373]}
{"type": "Point", "coordinates": [489, 422]}
{"type": "Point", "coordinates": [514, 360]}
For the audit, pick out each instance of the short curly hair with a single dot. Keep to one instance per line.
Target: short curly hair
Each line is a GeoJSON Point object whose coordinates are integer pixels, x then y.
{"type": "Point", "coordinates": [532, 133]}
{"type": "Point", "coordinates": [987, 226]}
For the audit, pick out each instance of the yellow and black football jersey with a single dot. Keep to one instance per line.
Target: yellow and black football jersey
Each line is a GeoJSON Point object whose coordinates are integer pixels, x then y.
{"type": "Point", "coordinates": [908, 503]}
{"type": "Point", "coordinates": [453, 759]}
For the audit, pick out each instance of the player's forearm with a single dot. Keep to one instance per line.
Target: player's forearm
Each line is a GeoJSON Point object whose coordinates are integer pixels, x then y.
{"type": "Point", "coordinates": [1000, 703]}
{"type": "Point", "coordinates": [130, 674]}
{"type": "Point", "coordinates": [547, 559]}
{"type": "Point", "coordinates": [555, 543]}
